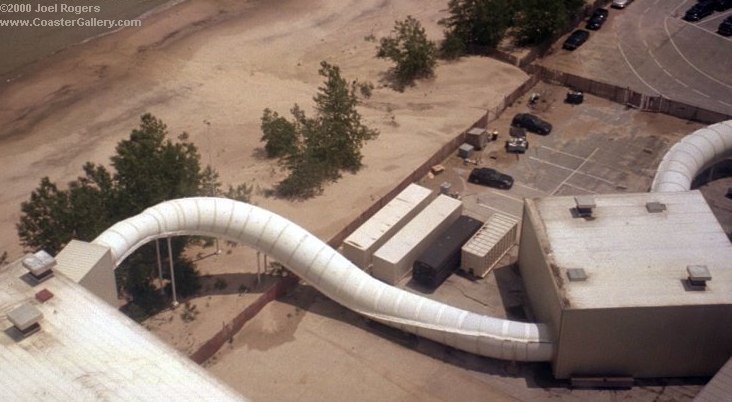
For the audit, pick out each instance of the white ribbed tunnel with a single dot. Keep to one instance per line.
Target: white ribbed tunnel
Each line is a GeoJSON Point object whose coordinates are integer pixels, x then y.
{"type": "Point", "coordinates": [331, 273]}
{"type": "Point", "coordinates": [690, 156]}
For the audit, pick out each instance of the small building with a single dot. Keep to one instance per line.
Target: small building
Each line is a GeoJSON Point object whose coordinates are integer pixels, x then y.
{"type": "Point", "coordinates": [489, 244]}
{"type": "Point", "coordinates": [359, 247]}
{"type": "Point", "coordinates": [640, 287]}
{"type": "Point", "coordinates": [393, 261]}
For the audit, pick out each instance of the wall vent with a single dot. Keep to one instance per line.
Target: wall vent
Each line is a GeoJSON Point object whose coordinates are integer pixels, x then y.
{"type": "Point", "coordinates": [585, 205]}
{"type": "Point", "coordinates": [655, 207]}
{"type": "Point", "coordinates": [698, 276]}
{"type": "Point", "coordinates": [25, 319]}
{"type": "Point", "coordinates": [40, 265]}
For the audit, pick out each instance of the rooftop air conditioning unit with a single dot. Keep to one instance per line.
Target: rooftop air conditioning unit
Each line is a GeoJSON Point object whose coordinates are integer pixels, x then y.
{"type": "Point", "coordinates": [584, 205]}
{"type": "Point", "coordinates": [25, 319]}
{"type": "Point", "coordinates": [40, 265]}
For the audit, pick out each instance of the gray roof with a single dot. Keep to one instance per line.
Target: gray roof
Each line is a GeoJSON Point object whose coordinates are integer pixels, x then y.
{"type": "Point", "coordinates": [633, 257]}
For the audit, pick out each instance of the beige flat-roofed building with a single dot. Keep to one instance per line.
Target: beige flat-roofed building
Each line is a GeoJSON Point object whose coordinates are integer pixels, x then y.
{"type": "Point", "coordinates": [614, 286]}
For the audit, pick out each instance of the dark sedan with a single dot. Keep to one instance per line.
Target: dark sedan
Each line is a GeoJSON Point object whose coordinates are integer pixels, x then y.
{"type": "Point", "coordinates": [597, 19]}
{"type": "Point", "coordinates": [725, 28]}
{"type": "Point", "coordinates": [699, 11]}
{"type": "Point", "coordinates": [531, 123]}
{"type": "Point", "coordinates": [491, 178]}
{"type": "Point", "coordinates": [576, 39]}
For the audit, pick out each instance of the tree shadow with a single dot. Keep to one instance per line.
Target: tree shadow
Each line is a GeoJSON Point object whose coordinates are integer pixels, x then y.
{"type": "Point", "coordinates": [236, 283]}
{"type": "Point", "coordinates": [309, 299]}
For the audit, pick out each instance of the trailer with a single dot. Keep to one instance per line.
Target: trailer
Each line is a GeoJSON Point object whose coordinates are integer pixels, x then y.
{"type": "Point", "coordinates": [360, 245]}
{"type": "Point", "coordinates": [393, 261]}
{"type": "Point", "coordinates": [489, 244]}
{"type": "Point", "coordinates": [442, 257]}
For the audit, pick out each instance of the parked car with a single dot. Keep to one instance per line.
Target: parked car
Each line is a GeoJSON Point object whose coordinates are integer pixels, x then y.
{"type": "Point", "coordinates": [491, 178]}
{"type": "Point", "coordinates": [598, 17]}
{"type": "Point", "coordinates": [725, 28]}
{"type": "Point", "coordinates": [621, 3]}
{"type": "Point", "coordinates": [517, 145]}
{"type": "Point", "coordinates": [576, 39]}
{"type": "Point", "coordinates": [531, 123]}
{"type": "Point", "coordinates": [699, 11]}
{"type": "Point", "coordinates": [722, 5]}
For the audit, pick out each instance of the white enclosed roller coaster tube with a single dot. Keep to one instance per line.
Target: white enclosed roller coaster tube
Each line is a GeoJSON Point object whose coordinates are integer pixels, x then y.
{"type": "Point", "coordinates": [690, 156]}
{"type": "Point", "coordinates": [332, 274]}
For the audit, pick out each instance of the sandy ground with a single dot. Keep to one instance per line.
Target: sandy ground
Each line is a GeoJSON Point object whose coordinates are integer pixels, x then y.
{"type": "Point", "coordinates": [223, 62]}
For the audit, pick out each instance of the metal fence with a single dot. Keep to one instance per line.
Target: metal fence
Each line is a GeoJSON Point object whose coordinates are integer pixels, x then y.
{"type": "Point", "coordinates": [627, 96]}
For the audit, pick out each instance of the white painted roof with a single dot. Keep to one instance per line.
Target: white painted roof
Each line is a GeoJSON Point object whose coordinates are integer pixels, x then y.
{"type": "Point", "coordinates": [391, 214]}
{"type": "Point", "coordinates": [636, 258]}
{"type": "Point", "coordinates": [413, 232]}
{"type": "Point", "coordinates": [87, 351]}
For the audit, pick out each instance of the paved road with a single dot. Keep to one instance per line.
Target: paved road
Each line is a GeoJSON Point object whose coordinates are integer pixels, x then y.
{"type": "Point", "coordinates": [649, 48]}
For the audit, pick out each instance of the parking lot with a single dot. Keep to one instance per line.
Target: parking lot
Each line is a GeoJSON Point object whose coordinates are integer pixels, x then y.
{"type": "Point", "coordinates": [649, 48]}
{"type": "Point", "coordinates": [595, 147]}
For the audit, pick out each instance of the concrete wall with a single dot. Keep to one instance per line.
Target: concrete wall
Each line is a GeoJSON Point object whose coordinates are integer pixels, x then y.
{"type": "Point", "coordinates": [393, 261]}
{"type": "Point", "coordinates": [671, 341]}
{"type": "Point", "coordinates": [536, 273]}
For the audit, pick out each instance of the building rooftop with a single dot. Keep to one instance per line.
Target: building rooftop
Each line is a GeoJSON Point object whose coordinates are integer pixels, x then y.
{"type": "Point", "coordinates": [633, 256]}
{"type": "Point", "coordinates": [86, 350]}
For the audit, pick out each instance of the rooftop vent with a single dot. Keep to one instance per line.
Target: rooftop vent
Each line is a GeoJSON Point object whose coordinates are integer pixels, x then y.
{"type": "Point", "coordinates": [585, 205]}
{"type": "Point", "coordinates": [698, 276]}
{"type": "Point", "coordinates": [576, 274]}
{"type": "Point", "coordinates": [40, 265]}
{"type": "Point", "coordinates": [655, 207]}
{"type": "Point", "coordinates": [25, 318]}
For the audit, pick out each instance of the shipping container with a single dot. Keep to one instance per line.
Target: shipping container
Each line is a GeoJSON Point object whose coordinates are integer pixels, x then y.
{"type": "Point", "coordinates": [489, 244]}
{"type": "Point", "coordinates": [393, 261]}
{"type": "Point", "coordinates": [442, 257]}
{"type": "Point", "coordinates": [359, 247]}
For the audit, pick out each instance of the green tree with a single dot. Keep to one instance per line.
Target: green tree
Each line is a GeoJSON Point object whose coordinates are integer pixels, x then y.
{"type": "Point", "coordinates": [325, 144]}
{"type": "Point", "coordinates": [279, 134]}
{"type": "Point", "coordinates": [148, 169]}
{"type": "Point", "coordinates": [539, 20]}
{"type": "Point", "coordinates": [475, 25]}
{"type": "Point", "coordinates": [411, 51]}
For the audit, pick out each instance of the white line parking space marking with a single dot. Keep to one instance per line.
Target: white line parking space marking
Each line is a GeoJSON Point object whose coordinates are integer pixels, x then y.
{"type": "Point", "coordinates": [563, 153]}
{"type": "Point", "coordinates": [571, 170]}
{"type": "Point", "coordinates": [681, 82]}
{"type": "Point", "coordinates": [622, 53]}
{"type": "Point", "coordinates": [724, 103]}
{"type": "Point", "coordinates": [700, 92]}
{"type": "Point", "coordinates": [530, 188]}
{"type": "Point", "coordinates": [498, 210]}
{"type": "Point", "coordinates": [510, 197]}
{"type": "Point", "coordinates": [575, 171]}
{"type": "Point", "coordinates": [671, 39]}
{"type": "Point", "coordinates": [579, 188]}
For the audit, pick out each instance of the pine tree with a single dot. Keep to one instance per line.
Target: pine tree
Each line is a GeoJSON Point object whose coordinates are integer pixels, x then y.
{"type": "Point", "coordinates": [411, 51]}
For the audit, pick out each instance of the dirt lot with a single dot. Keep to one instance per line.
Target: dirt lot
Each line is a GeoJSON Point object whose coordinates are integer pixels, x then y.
{"type": "Point", "coordinates": [331, 353]}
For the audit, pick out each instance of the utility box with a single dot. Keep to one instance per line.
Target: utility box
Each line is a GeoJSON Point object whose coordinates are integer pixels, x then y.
{"type": "Point", "coordinates": [465, 151]}
{"type": "Point", "coordinates": [393, 261]}
{"type": "Point", "coordinates": [477, 137]}
{"type": "Point", "coordinates": [489, 244]}
{"type": "Point", "coordinates": [359, 247]}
